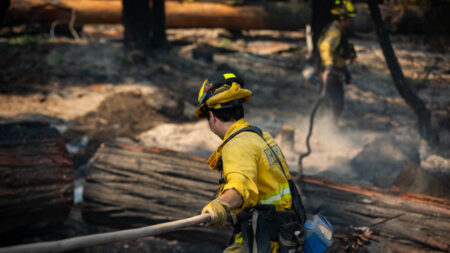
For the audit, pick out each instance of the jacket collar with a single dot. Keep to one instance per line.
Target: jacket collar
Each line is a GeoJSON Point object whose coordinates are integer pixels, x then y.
{"type": "Point", "coordinates": [213, 160]}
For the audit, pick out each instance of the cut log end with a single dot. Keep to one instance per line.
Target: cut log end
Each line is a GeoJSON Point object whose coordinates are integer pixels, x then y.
{"type": "Point", "coordinates": [36, 179]}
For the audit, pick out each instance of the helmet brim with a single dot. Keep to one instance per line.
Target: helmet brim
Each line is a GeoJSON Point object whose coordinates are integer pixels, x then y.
{"type": "Point", "coordinates": [200, 112]}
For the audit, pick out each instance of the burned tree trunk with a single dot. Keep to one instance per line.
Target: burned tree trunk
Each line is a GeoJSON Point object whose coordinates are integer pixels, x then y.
{"type": "Point", "coordinates": [159, 24]}
{"type": "Point", "coordinates": [36, 179]}
{"type": "Point", "coordinates": [132, 186]}
{"type": "Point", "coordinates": [321, 17]}
{"type": "Point", "coordinates": [421, 111]}
{"type": "Point", "coordinates": [422, 220]}
{"type": "Point", "coordinates": [3, 7]}
{"type": "Point", "coordinates": [135, 17]}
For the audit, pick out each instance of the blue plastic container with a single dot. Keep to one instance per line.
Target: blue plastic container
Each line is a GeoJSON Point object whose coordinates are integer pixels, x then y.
{"type": "Point", "coordinates": [318, 234]}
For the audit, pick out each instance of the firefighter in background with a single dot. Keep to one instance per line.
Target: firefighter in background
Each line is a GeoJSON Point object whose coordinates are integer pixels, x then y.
{"type": "Point", "coordinates": [334, 50]}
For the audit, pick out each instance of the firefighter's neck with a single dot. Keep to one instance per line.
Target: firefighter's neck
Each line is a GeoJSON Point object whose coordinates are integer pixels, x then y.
{"type": "Point", "coordinates": [218, 126]}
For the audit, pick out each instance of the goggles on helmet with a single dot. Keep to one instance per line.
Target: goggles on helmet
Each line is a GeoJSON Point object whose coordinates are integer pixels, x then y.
{"type": "Point", "coordinates": [204, 91]}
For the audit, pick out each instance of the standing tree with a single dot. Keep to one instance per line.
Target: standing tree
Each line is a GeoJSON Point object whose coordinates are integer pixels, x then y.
{"type": "Point", "coordinates": [4, 4]}
{"type": "Point", "coordinates": [135, 17]}
{"type": "Point", "coordinates": [159, 24]}
{"type": "Point", "coordinates": [421, 111]}
{"type": "Point", "coordinates": [321, 16]}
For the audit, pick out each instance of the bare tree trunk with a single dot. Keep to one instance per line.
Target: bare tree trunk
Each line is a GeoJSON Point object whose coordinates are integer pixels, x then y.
{"type": "Point", "coordinates": [320, 17]}
{"type": "Point", "coordinates": [4, 4]}
{"type": "Point", "coordinates": [135, 17]}
{"type": "Point", "coordinates": [422, 113]}
{"type": "Point", "coordinates": [159, 24]}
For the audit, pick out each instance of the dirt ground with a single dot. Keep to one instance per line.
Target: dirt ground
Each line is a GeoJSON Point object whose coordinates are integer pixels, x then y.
{"type": "Point", "coordinates": [92, 90]}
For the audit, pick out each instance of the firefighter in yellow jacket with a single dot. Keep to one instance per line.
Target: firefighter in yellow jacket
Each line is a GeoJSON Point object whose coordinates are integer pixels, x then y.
{"type": "Point", "coordinates": [255, 192]}
{"type": "Point", "coordinates": [334, 50]}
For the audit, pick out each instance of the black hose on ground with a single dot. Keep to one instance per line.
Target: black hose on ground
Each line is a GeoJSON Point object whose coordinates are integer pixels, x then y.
{"type": "Point", "coordinates": [308, 137]}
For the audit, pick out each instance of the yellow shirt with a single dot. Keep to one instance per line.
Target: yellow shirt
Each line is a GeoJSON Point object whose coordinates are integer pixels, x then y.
{"type": "Point", "coordinates": [250, 168]}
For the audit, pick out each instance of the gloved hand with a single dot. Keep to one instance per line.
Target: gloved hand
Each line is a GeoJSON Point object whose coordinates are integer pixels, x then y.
{"type": "Point", "coordinates": [347, 77]}
{"type": "Point", "coordinates": [218, 211]}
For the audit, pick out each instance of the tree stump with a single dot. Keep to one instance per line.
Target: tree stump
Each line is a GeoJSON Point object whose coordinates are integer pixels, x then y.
{"type": "Point", "coordinates": [36, 179]}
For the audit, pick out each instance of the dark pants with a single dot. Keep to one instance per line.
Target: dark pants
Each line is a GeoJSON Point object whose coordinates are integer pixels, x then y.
{"type": "Point", "coordinates": [334, 94]}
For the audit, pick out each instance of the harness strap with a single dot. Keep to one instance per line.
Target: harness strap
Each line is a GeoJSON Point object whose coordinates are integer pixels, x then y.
{"type": "Point", "coordinates": [255, 217]}
{"type": "Point", "coordinates": [250, 128]}
{"type": "Point", "coordinates": [259, 132]}
{"type": "Point", "coordinates": [262, 224]}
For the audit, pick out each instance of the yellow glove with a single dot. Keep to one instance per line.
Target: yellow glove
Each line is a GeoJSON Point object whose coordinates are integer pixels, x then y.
{"type": "Point", "coordinates": [218, 211]}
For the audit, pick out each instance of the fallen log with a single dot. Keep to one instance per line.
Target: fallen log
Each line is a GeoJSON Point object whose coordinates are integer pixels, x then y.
{"type": "Point", "coordinates": [133, 186]}
{"type": "Point", "coordinates": [130, 186]}
{"type": "Point", "coordinates": [261, 15]}
{"type": "Point", "coordinates": [425, 220]}
{"type": "Point", "coordinates": [178, 14]}
{"type": "Point", "coordinates": [36, 179]}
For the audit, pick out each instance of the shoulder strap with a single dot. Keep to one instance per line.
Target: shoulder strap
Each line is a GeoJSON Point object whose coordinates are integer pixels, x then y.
{"type": "Point", "coordinates": [260, 133]}
{"type": "Point", "coordinates": [250, 129]}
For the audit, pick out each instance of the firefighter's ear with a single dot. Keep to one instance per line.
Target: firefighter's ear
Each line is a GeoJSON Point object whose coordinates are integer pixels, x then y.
{"type": "Point", "coordinates": [211, 115]}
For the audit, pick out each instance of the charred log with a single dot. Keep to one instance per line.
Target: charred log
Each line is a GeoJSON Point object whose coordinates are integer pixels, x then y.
{"type": "Point", "coordinates": [422, 220]}
{"type": "Point", "coordinates": [133, 186]}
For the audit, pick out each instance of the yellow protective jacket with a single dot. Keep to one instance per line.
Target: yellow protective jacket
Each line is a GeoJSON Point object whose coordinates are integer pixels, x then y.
{"type": "Point", "coordinates": [250, 168]}
{"type": "Point", "coordinates": [331, 51]}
